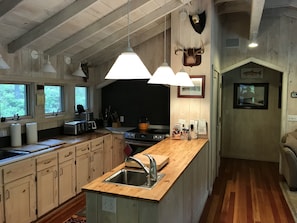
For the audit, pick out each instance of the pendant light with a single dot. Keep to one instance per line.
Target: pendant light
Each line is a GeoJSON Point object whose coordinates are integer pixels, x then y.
{"type": "Point", "coordinates": [3, 64]}
{"type": "Point", "coordinates": [48, 67]}
{"type": "Point", "coordinates": [164, 74]}
{"type": "Point", "coordinates": [183, 79]}
{"type": "Point", "coordinates": [79, 72]}
{"type": "Point", "coordinates": [128, 65]}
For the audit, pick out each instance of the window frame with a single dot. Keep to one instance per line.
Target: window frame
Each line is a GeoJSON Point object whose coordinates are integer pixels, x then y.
{"type": "Point", "coordinates": [88, 96]}
{"type": "Point", "coordinates": [62, 98]}
{"type": "Point", "coordinates": [28, 96]}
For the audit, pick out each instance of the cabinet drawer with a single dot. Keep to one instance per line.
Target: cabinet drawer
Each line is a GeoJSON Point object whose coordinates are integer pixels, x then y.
{"type": "Point", "coordinates": [46, 161]}
{"type": "Point", "coordinates": [97, 144]}
{"type": "Point", "coordinates": [66, 154]}
{"type": "Point", "coordinates": [18, 170]}
{"type": "Point", "coordinates": [82, 148]}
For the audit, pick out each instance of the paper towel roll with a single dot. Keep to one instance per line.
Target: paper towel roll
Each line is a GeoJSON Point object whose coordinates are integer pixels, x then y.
{"type": "Point", "coordinates": [31, 132]}
{"type": "Point", "coordinates": [16, 135]}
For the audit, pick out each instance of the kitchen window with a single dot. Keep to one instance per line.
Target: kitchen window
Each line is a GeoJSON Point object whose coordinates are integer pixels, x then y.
{"type": "Point", "coordinates": [53, 99]}
{"type": "Point", "coordinates": [81, 96]}
{"type": "Point", "coordinates": [14, 100]}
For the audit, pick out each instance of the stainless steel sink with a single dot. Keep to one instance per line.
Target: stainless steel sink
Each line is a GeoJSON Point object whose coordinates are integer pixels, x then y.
{"type": "Point", "coordinates": [132, 177]}
{"type": "Point", "coordinates": [5, 154]}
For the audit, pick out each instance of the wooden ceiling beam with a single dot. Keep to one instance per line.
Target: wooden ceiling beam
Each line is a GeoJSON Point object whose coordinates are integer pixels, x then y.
{"type": "Point", "coordinates": [94, 27]}
{"type": "Point", "coordinates": [7, 5]}
{"type": "Point", "coordinates": [117, 48]}
{"type": "Point", "coordinates": [122, 33]}
{"type": "Point", "coordinates": [257, 7]}
{"type": "Point", "coordinates": [49, 24]}
{"type": "Point", "coordinates": [233, 7]}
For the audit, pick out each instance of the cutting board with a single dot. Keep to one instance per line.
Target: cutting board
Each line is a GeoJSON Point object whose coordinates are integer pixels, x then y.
{"type": "Point", "coordinates": [31, 148]}
{"type": "Point", "coordinates": [52, 142]}
{"type": "Point", "coordinates": [161, 161]}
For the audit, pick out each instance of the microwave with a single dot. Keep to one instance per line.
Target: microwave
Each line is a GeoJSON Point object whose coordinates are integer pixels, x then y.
{"type": "Point", "coordinates": [75, 127]}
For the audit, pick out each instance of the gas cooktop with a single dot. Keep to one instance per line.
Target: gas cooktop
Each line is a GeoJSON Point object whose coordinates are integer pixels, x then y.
{"type": "Point", "coordinates": [151, 134]}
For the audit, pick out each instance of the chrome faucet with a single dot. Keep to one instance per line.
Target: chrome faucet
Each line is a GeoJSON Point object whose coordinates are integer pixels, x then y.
{"type": "Point", "coordinates": [151, 172]}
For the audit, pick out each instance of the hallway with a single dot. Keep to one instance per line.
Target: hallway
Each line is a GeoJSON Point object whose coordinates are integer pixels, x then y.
{"type": "Point", "coordinates": [247, 192]}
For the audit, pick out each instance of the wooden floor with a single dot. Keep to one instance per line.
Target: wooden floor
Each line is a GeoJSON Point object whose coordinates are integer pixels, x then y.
{"type": "Point", "coordinates": [244, 192]}
{"type": "Point", "coordinates": [247, 192]}
{"type": "Point", "coordinates": [65, 211]}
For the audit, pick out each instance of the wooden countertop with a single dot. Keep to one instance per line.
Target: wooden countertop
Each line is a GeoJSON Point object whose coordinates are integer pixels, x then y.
{"type": "Point", "coordinates": [180, 152]}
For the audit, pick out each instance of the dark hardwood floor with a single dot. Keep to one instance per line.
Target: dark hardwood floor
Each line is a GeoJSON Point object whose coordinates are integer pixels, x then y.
{"type": "Point", "coordinates": [244, 192]}
{"type": "Point", "coordinates": [247, 192]}
{"type": "Point", "coordinates": [65, 211]}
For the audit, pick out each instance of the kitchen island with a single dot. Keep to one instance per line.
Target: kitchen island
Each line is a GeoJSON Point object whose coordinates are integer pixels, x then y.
{"type": "Point", "coordinates": [178, 197]}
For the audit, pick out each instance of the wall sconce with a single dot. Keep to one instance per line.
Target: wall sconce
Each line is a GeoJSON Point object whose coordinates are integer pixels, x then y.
{"type": "Point", "coordinates": [3, 64]}
{"type": "Point", "coordinates": [253, 42]}
{"type": "Point", "coordinates": [79, 72]}
{"type": "Point", "coordinates": [47, 66]}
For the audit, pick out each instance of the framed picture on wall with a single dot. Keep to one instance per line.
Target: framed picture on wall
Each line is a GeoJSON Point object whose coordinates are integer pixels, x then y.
{"type": "Point", "coordinates": [193, 92]}
{"type": "Point", "coordinates": [250, 96]}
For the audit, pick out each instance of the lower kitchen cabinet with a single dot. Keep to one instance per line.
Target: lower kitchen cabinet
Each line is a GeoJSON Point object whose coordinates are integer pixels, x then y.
{"type": "Point", "coordinates": [82, 165]}
{"type": "Point", "coordinates": [96, 158]}
{"type": "Point", "coordinates": [107, 150]}
{"type": "Point", "coordinates": [118, 144]}
{"type": "Point", "coordinates": [66, 158]}
{"type": "Point", "coordinates": [20, 191]}
{"type": "Point", "coordinates": [47, 182]}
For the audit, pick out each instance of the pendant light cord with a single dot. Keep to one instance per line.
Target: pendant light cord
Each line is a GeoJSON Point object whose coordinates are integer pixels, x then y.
{"type": "Point", "coordinates": [128, 17]}
{"type": "Point", "coordinates": [165, 55]}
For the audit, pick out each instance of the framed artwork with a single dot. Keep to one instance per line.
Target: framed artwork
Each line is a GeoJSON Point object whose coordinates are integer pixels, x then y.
{"type": "Point", "coordinates": [193, 92]}
{"type": "Point", "coordinates": [250, 96]}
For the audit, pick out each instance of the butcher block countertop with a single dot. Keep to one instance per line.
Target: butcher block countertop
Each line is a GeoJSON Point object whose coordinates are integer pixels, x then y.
{"type": "Point", "coordinates": [180, 153]}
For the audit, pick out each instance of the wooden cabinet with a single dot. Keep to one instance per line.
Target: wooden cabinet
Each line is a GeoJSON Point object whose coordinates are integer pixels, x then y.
{"type": "Point", "coordinates": [82, 165]}
{"type": "Point", "coordinates": [47, 182]}
{"type": "Point", "coordinates": [118, 144]}
{"type": "Point", "coordinates": [96, 158]}
{"type": "Point", "coordinates": [20, 191]}
{"type": "Point", "coordinates": [66, 159]}
{"type": "Point", "coordinates": [107, 153]}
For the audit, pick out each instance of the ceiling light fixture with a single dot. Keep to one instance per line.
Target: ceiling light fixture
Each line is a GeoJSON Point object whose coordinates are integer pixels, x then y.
{"type": "Point", "coordinates": [48, 67]}
{"type": "Point", "coordinates": [253, 43]}
{"type": "Point", "coordinates": [128, 65]}
{"type": "Point", "coordinates": [183, 79]}
{"type": "Point", "coordinates": [79, 72]}
{"type": "Point", "coordinates": [164, 73]}
{"type": "Point", "coordinates": [3, 64]}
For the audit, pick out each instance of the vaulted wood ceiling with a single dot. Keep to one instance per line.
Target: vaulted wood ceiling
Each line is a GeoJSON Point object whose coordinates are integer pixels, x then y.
{"type": "Point", "coordinates": [96, 30]}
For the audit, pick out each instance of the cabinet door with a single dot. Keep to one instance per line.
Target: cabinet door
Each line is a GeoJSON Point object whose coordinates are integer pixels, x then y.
{"type": "Point", "coordinates": [118, 149]}
{"type": "Point", "coordinates": [47, 190]}
{"type": "Point", "coordinates": [96, 163]}
{"type": "Point", "coordinates": [66, 180]}
{"type": "Point", "coordinates": [107, 151]}
{"type": "Point", "coordinates": [20, 200]}
{"type": "Point", "coordinates": [1, 205]}
{"type": "Point", "coordinates": [82, 171]}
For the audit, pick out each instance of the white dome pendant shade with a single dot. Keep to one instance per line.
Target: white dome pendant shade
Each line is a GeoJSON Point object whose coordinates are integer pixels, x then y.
{"type": "Point", "coordinates": [128, 65]}
{"type": "Point", "coordinates": [3, 64]}
{"type": "Point", "coordinates": [183, 79]}
{"type": "Point", "coordinates": [79, 72]}
{"type": "Point", "coordinates": [163, 75]}
{"type": "Point", "coordinates": [48, 67]}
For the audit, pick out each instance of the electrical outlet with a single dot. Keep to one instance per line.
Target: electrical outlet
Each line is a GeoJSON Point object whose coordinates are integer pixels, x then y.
{"type": "Point", "coordinates": [109, 204]}
{"type": "Point", "coordinates": [292, 118]}
{"type": "Point", "coordinates": [122, 118]}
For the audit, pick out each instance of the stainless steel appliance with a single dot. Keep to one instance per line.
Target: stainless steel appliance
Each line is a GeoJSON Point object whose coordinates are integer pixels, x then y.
{"type": "Point", "coordinates": [84, 116]}
{"type": "Point", "coordinates": [75, 127]}
{"type": "Point", "coordinates": [139, 140]}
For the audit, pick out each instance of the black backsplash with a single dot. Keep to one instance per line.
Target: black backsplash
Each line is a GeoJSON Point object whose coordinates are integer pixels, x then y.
{"type": "Point", "coordinates": [135, 98]}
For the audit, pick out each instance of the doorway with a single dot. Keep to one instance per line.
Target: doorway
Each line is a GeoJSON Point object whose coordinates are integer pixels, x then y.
{"type": "Point", "coordinates": [251, 133]}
